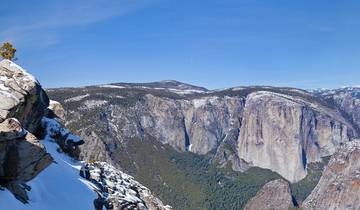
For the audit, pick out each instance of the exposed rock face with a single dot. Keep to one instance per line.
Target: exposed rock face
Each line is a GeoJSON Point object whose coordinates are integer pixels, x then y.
{"type": "Point", "coordinates": [276, 125]}
{"type": "Point", "coordinates": [22, 106]}
{"type": "Point", "coordinates": [253, 126]}
{"type": "Point", "coordinates": [273, 195]}
{"type": "Point", "coordinates": [339, 186]}
{"type": "Point", "coordinates": [21, 96]}
{"type": "Point", "coordinates": [22, 157]}
{"type": "Point", "coordinates": [120, 191]}
{"type": "Point", "coordinates": [56, 110]}
{"type": "Point", "coordinates": [197, 125]}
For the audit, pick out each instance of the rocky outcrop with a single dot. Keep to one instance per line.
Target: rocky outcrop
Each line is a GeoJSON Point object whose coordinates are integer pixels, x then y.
{"type": "Point", "coordinates": [55, 110]}
{"type": "Point", "coordinates": [339, 186]}
{"type": "Point", "coordinates": [22, 157]}
{"type": "Point", "coordinates": [276, 125]}
{"type": "Point", "coordinates": [117, 190]}
{"type": "Point", "coordinates": [273, 195]}
{"type": "Point", "coordinates": [68, 142]}
{"type": "Point", "coordinates": [23, 103]}
{"type": "Point", "coordinates": [21, 96]}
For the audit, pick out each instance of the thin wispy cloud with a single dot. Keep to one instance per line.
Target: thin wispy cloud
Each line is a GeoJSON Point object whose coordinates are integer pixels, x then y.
{"type": "Point", "coordinates": [43, 21]}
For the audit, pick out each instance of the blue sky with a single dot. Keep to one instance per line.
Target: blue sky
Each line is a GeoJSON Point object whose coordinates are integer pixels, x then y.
{"type": "Point", "coordinates": [211, 43]}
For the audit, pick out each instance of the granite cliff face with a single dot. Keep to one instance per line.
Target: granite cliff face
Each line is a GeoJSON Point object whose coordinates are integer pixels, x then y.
{"type": "Point", "coordinates": [247, 126]}
{"type": "Point", "coordinates": [339, 186]}
{"type": "Point", "coordinates": [276, 125]}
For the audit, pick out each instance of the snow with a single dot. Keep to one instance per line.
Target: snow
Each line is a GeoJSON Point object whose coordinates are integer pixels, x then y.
{"type": "Point", "coordinates": [190, 147]}
{"type": "Point", "coordinates": [52, 127]}
{"type": "Point", "coordinates": [58, 187]}
{"type": "Point", "coordinates": [184, 92]}
{"type": "Point", "coordinates": [2, 87]}
{"type": "Point", "coordinates": [112, 86]}
{"type": "Point", "coordinates": [200, 102]}
{"type": "Point", "coordinates": [89, 104]}
{"type": "Point", "coordinates": [28, 77]}
{"type": "Point", "coordinates": [76, 98]}
{"type": "Point", "coordinates": [177, 91]}
{"type": "Point", "coordinates": [173, 90]}
{"type": "Point", "coordinates": [53, 102]}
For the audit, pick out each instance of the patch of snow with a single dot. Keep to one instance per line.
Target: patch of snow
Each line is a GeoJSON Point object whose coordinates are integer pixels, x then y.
{"type": "Point", "coordinates": [184, 92]}
{"type": "Point", "coordinates": [9, 95]}
{"type": "Point", "coordinates": [3, 87]}
{"type": "Point", "coordinates": [199, 102]}
{"type": "Point", "coordinates": [190, 147]}
{"type": "Point", "coordinates": [76, 98]}
{"type": "Point", "coordinates": [28, 76]}
{"type": "Point", "coordinates": [53, 127]}
{"type": "Point", "coordinates": [53, 102]}
{"type": "Point", "coordinates": [94, 103]}
{"type": "Point", "coordinates": [2, 83]}
{"type": "Point", "coordinates": [112, 86]}
{"type": "Point", "coordinates": [238, 88]}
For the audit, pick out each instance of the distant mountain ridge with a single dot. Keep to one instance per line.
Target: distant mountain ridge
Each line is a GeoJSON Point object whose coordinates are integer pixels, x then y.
{"type": "Point", "coordinates": [166, 84]}
{"type": "Point", "coordinates": [241, 127]}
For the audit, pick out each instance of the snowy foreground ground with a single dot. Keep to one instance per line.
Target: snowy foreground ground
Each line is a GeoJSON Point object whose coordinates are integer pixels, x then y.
{"type": "Point", "coordinates": [58, 187]}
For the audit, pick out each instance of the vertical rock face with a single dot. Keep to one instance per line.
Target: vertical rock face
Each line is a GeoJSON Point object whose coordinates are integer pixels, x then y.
{"type": "Point", "coordinates": [21, 96]}
{"type": "Point", "coordinates": [273, 195]}
{"type": "Point", "coordinates": [197, 125]}
{"type": "Point", "coordinates": [210, 119]}
{"type": "Point", "coordinates": [339, 186]}
{"type": "Point", "coordinates": [284, 133]}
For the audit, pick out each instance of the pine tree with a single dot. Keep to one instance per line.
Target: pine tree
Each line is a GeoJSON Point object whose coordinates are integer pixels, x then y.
{"type": "Point", "coordinates": [7, 51]}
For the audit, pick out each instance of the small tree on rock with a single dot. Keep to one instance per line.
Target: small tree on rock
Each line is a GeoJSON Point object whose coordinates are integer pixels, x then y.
{"type": "Point", "coordinates": [7, 51]}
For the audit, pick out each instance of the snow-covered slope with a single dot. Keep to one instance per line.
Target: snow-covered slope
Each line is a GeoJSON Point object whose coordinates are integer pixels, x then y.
{"type": "Point", "coordinates": [60, 186]}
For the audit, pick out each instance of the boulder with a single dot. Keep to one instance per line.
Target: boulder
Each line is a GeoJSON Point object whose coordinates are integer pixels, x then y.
{"type": "Point", "coordinates": [56, 110]}
{"type": "Point", "coordinates": [21, 96]}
